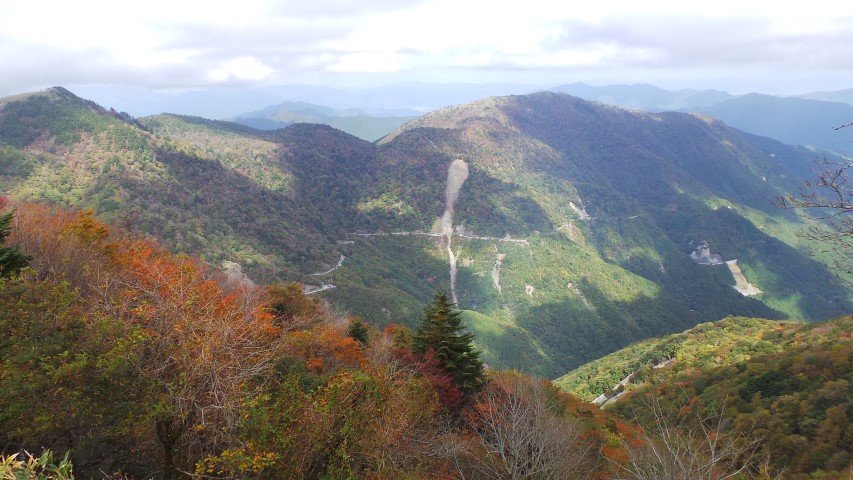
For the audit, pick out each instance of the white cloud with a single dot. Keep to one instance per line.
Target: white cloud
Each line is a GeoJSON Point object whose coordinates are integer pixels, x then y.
{"type": "Point", "coordinates": [241, 68]}
{"type": "Point", "coordinates": [370, 62]}
{"type": "Point", "coordinates": [197, 42]}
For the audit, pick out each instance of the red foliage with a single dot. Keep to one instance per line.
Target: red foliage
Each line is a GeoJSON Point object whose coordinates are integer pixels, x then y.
{"type": "Point", "coordinates": [448, 392]}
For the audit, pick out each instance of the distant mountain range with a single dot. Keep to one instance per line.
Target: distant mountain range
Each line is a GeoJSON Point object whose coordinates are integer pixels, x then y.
{"type": "Point", "coordinates": [370, 113]}
{"type": "Point", "coordinates": [807, 120]}
{"type": "Point", "coordinates": [796, 121]}
{"type": "Point", "coordinates": [354, 121]}
{"type": "Point", "coordinates": [562, 227]}
{"type": "Point", "coordinates": [399, 99]}
{"type": "Point", "coordinates": [646, 97]}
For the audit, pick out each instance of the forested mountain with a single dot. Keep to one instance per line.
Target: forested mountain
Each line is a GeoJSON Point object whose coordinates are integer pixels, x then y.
{"type": "Point", "coordinates": [785, 382]}
{"type": "Point", "coordinates": [809, 119]}
{"type": "Point", "coordinates": [563, 228]}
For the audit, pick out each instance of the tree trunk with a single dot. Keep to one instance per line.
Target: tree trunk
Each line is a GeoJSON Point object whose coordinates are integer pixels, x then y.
{"type": "Point", "coordinates": [168, 436]}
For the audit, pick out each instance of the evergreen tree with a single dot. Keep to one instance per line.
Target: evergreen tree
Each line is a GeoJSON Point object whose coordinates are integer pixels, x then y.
{"type": "Point", "coordinates": [441, 331]}
{"type": "Point", "coordinates": [358, 330]}
{"type": "Point", "coordinates": [11, 259]}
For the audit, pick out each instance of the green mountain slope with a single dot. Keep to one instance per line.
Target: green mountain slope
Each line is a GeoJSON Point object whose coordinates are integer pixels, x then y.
{"type": "Point", "coordinates": [222, 195]}
{"type": "Point", "coordinates": [609, 202]}
{"type": "Point", "coordinates": [785, 382]}
{"type": "Point", "coordinates": [568, 236]}
{"type": "Point", "coordinates": [657, 360]}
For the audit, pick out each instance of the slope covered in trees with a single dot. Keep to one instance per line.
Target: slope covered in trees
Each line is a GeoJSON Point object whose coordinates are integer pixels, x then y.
{"type": "Point", "coordinates": [725, 342]}
{"type": "Point", "coordinates": [784, 385]}
{"type": "Point", "coordinates": [145, 364]}
{"type": "Point", "coordinates": [571, 235]}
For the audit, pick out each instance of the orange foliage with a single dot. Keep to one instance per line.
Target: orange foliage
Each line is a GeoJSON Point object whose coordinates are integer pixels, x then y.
{"type": "Point", "coordinates": [324, 349]}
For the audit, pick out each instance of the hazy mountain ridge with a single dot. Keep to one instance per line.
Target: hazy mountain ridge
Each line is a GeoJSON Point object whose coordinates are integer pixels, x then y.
{"type": "Point", "coordinates": [795, 121]}
{"type": "Point", "coordinates": [354, 121]}
{"type": "Point", "coordinates": [781, 117]}
{"type": "Point", "coordinates": [807, 119]}
{"type": "Point", "coordinates": [645, 97]}
{"type": "Point", "coordinates": [573, 228]}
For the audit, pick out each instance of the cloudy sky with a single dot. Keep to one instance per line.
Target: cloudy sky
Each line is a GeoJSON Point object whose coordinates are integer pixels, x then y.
{"type": "Point", "coordinates": [740, 46]}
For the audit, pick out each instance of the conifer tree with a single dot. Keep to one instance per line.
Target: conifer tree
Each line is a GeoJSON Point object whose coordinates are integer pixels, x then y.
{"type": "Point", "coordinates": [441, 331]}
{"type": "Point", "coordinates": [358, 330]}
{"type": "Point", "coordinates": [11, 259]}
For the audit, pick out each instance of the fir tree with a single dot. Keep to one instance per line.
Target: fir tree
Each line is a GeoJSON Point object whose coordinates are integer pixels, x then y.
{"type": "Point", "coordinates": [358, 330]}
{"type": "Point", "coordinates": [441, 331]}
{"type": "Point", "coordinates": [11, 259]}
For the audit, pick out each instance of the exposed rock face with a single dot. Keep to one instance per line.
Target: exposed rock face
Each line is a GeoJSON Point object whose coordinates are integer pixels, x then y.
{"type": "Point", "coordinates": [703, 256]}
{"type": "Point", "coordinates": [743, 286]}
{"type": "Point", "coordinates": [456, 176]}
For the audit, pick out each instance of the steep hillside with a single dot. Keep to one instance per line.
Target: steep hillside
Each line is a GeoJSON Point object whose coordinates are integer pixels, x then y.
{"type": "Point", "coordinates": [213, 189]}
{"type": "Point", "coordinates": [609, 203]}
{"type": "Point", "coordinates": [562, 227]}
{"type": "Point", "coordinates": [787, 384]}
{"type": "Point", "coordinates": [657, 360]}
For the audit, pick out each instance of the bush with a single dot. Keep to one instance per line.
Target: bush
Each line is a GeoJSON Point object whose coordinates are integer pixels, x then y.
{"type": "Point", "coordinates": [41, 468]}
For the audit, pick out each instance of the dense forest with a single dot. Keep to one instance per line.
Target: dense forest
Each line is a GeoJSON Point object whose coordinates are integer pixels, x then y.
{"type": "Point", "coordinates": [797, 400]}
{"type": "Point", "coordinates": [141, 363]}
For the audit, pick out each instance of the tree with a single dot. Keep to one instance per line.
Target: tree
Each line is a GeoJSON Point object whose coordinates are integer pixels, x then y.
{"type": "Point", "coordinates": [441, 331]}
{"type": "Point", "coordinates": [202, 347]}
{"type": "Point", "coordinates": [524, 435]}
{"type": "Point", "coordinates": [357, 329]}
{"type": "Point", "coordinates": [11, 259]}
{"type": "Point", "coordinates": [695, 445]}
{"type": "Point", "coordinates": [830, 196]}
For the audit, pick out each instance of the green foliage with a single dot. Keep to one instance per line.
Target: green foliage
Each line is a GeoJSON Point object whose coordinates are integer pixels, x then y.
{"type": "Point", "coordinates": [35, 468]}
{"type": "Point", "coordinates": [358, 330]}
{"type": "Point", "coordinates": [796, 399]}
{"type": "Point", "coordinates": [66, 382]}
{"type": "Point", "coordinates": [11, 259]}
{"type": "Point", "coordinates": [726, 342]}
{"type": "Point", "coordinates": [442, 332]}
{"type": "Point", "coordinates": [116, 351]}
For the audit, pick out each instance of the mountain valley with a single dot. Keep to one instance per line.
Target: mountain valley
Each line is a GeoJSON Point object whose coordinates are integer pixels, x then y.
{"type": "Point", "coordinates": [284, 336]}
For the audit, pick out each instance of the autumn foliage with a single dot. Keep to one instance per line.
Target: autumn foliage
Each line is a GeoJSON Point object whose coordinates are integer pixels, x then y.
{"type": "Point", "coordinates": [147, 364]}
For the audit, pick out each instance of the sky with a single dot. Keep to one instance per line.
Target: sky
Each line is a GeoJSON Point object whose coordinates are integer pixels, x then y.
{"type": "Point", "coordinates": [740, 46]}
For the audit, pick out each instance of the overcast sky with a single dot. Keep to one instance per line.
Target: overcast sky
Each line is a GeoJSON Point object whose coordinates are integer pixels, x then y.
{"type": "Point", "coordinates": [739, 46]}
